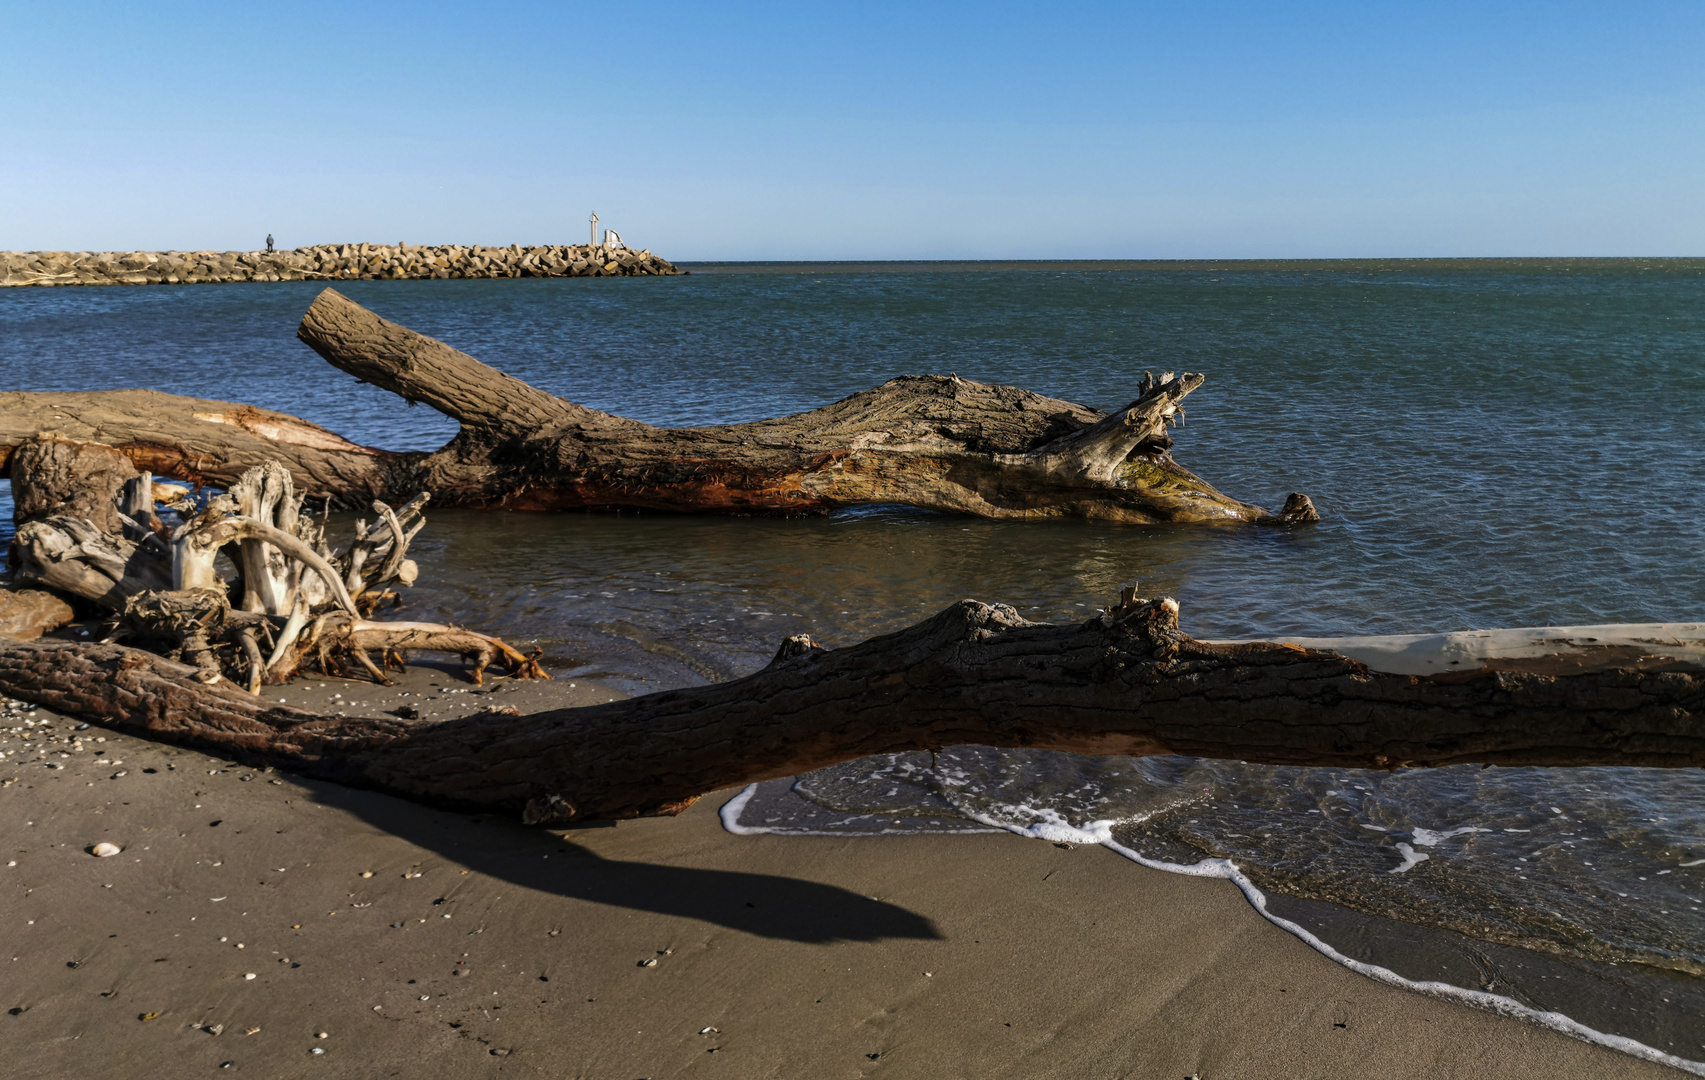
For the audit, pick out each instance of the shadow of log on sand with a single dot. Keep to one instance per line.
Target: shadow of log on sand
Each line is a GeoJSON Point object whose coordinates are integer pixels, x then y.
{"type": "Point", "coordinates": [765, 905]}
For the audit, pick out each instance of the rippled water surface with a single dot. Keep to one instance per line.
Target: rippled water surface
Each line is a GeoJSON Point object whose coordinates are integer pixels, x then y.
{"type": "Point", "coordinates": [1494, 444]}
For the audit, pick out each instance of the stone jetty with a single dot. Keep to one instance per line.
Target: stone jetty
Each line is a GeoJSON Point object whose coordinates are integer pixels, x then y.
{"type": "Point", "coordinates": [326, 262]}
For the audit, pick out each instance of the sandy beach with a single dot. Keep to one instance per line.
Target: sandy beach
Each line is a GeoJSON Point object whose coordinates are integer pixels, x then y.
{"type": "Point", "coordinates": [254, 922]}
{"type": "Point", "coordinates": [1137, 541]}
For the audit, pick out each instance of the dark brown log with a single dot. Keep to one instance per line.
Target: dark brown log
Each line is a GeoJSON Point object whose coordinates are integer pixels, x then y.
{"type": "Point", "coordinates": [1126, 682]}
{"type": "Point", "coordinates": [52, 474]}
{"type": "Point", "coordinates": [939, 442]}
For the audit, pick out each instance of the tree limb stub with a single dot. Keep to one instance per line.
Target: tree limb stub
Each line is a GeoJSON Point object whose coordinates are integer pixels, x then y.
{"type": "Point", "coordinates": [938, 442]}
{"type": "Point", "coordinates": [1126, 682]}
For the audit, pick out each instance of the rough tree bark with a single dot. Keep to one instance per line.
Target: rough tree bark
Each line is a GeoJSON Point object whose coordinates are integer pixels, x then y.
{"type": "Point", "coordinates": [52, 474]}
{"type": "Point", "coordinates": [202, 442]}
{"type": "Point", "coordinates": [1126, 682]}
{"type": "Point", "coordinates": [939, 442]}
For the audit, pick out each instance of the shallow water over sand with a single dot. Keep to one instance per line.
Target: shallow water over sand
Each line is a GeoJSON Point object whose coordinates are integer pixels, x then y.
{"type": "Point", "coordinates": [1503, 444]}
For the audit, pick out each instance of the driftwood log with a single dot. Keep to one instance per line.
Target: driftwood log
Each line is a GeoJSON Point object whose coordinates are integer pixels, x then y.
{"type": "Point", "coordinates": [939, 442]}
{"type": "Point", "coordinates": [1125, 682]}
{"type": "Point", "coordinates": [89, 531]}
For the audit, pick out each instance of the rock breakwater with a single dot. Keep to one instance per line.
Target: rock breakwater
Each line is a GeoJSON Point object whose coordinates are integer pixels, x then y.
{"type": "Point", "coordinates": [326, 262]}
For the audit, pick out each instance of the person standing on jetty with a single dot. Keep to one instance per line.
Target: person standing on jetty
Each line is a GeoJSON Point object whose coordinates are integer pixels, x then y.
{"type": "Point", "coordinates": [269, 243]}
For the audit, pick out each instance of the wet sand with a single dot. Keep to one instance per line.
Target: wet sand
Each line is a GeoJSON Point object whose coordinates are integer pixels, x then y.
{"type": "Point", "coordinates": [426, 943]}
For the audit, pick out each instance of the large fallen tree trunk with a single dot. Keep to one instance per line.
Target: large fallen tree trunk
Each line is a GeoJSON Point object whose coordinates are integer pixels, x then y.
{"type": "Point", "coordinates": [1126, 682]}
{"type": "Point", "coordinates": [939, 442]}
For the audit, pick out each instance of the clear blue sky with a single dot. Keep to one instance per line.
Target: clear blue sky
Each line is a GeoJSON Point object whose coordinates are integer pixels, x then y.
{"type": "Point", "coordinates": [905, 130]}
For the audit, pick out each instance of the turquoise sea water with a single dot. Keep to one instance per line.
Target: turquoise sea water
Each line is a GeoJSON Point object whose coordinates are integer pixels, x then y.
{"type": "Point", "coordinates": [1490, 443]}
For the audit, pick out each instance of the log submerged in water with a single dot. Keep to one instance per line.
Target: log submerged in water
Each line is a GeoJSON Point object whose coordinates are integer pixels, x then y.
{"type": "Point", "coordinates": [1126, 682]}
{"type": "Point", "coordinates": [938, 442]}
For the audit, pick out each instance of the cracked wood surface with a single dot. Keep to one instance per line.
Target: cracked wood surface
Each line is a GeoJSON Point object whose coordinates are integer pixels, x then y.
{"type": "Point", "coordinates": [939, 442]}
{"type": "Point", "coordinates": [1126, 682]}
{"type": "Point", "coordinates": [199, 441]}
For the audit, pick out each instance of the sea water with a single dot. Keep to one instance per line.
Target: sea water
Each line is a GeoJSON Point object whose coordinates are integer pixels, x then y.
{"type": "Point", "coordinates": [1490, 443]}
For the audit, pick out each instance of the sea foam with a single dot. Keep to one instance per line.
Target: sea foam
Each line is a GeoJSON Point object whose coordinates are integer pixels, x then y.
{"type": "Point", "coordinates": [1050, 825]}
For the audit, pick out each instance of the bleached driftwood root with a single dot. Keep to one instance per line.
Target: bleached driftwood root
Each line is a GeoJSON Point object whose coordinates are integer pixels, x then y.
{"type": "Point", "coordinates": [296, 604]}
